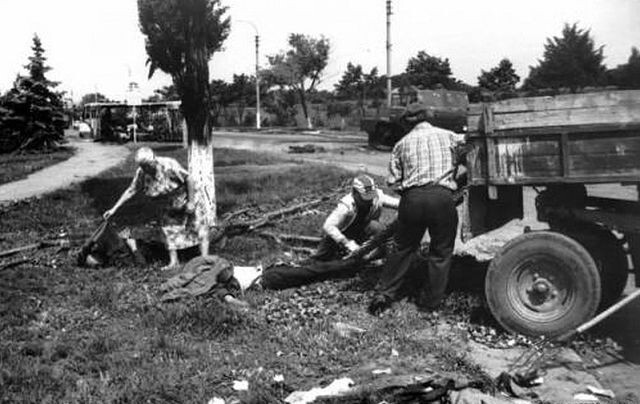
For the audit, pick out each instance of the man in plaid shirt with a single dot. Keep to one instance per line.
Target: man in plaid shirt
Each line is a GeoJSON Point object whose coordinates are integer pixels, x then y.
{"type": "Point", "coordinates": [418, 171]}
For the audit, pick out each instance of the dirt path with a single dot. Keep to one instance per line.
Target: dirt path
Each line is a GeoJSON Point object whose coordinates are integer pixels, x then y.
{"type": "Point", "coordinates": [89, 160]}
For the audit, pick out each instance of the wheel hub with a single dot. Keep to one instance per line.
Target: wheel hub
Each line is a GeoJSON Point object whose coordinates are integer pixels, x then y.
{"type": "Point", "coordinates": [542, 291]}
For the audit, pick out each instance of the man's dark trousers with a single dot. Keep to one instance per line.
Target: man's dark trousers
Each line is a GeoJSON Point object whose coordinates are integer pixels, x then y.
{"type": "Point", "coordinates": [429, 207]}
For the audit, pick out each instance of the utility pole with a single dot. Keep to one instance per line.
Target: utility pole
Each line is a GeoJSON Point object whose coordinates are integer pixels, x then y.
{"type": "Point", "coordinates": [257, 80]}
{"type": "Point", "coordinates": [257, 71]}
{"type": "Point", "coordinates": [389, 53]}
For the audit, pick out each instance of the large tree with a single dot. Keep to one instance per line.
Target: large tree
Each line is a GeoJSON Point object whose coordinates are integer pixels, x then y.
{"type": "Point", "coordinates": [355, 84]}
{"type": "Point", "coordinates": [427, 71]}
{"type": "Point", "coordinates": [32, 113]}
{"type": "Point", "coordinates": [181, 37]}
{"type": "Point", "coordinates": [93, 97]}
{"type": "Point", "coordinates": [500, 80]}
{"type": "Point", "coordinates": [571, 61]}
{"type": "Point", "coordinates": [300, 67]}
{"type": "Point", "coordinates": [627, 76]}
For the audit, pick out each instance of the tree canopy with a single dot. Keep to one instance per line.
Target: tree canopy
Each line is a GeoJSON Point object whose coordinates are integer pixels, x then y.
{"type": "Point", "coordinates": [31, 113]}
{"type": "Point", "coordinates": [93, 97]}
{"type": "Point", "coordinates": [300, 67]}
{"type": "Point", "coordinates": [627, 76]}
{"type": "Point", "coordinates": [355, 84]}
{"type": "Point", "coordinates": [502, 78]}
{"type": "Point", "coordinates": [426, 71]}
{"type": "Point", "coordinates": [571, 60]}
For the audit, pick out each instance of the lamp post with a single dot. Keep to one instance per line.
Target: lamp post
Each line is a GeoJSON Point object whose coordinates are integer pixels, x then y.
{"type": "Point", "coordinates": [389, 53]}
{"type": "Point", "coordinates": [257, 38]}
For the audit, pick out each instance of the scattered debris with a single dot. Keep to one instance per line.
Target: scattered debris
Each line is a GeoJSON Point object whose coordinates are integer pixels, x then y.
{"type": "Point", "coordinates": [216, 400]}
{"type": "Point", "coordinates": [307, 148]}
{"type": "Point", "coordinates": [295, 238]}
{"type": "Point", "coordinates": [509, 385]}
{"type": "Point", "coordinates": [229, 228]}
{"type": "Point", "coordinates": [34, 246]}
{"type": "Point", "coordinates": [14, 263]}
{"type": "Point", "coordinates": [585, 397]}
{"type": "Point", "coordinates": [338, 387]}
{"type": "Point", "coordinates": [240, 385]}
{"type": "Point", "coordinates": [601, 392]}
{"type": "Point", "coordinates": [386, 371]}
{"type": "Point", "coordinates": [347, 330]}
{"type": "Point", "coordinates": [473, 396]}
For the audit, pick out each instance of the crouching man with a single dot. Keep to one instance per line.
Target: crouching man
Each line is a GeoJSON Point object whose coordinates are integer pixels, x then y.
{"type": "Point", "coordinates": [354, 220]}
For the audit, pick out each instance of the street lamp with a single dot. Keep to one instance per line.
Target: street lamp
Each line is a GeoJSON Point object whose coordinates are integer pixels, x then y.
{"type": "Point", "coordinates": [257, 71]}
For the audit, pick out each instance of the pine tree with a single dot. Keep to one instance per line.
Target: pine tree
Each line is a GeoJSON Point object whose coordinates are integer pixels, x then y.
{"type": "Point", "coordinates": [33, 115]}
{"type": "Point", "coordinates": [570, 61]}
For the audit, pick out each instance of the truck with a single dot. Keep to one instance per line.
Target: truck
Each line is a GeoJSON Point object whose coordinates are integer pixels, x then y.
{"type": "Point", "coordinates": [548, 282]}
{"type": "Point", "coordinates": [447, 109]}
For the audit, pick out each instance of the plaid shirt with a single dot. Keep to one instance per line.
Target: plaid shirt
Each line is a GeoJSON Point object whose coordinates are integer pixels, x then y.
{"type": "Point", "coordinates": [422, 156]}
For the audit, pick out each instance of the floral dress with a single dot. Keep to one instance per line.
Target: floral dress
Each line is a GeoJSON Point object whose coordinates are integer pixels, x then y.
{"type": "Point", "coordinates": [168, 187]}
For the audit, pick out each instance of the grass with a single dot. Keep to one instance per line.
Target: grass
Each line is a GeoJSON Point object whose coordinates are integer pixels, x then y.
{"type": "Point", "coordinates": [78, 335]}
{"type": "Point", "coordinates": [13, 168]}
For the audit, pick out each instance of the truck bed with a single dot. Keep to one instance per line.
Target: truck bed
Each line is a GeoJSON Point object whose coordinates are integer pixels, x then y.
{"type": "Point", "coordinates": [586, 138]}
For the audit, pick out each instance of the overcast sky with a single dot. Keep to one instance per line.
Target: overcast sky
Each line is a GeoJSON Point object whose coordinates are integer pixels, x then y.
{"type": "Point", "coordinates": [97, 44]}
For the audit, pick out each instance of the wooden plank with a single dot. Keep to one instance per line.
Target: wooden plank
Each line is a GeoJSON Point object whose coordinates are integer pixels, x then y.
{"type": "Point", "coordinates": [618, 115]}
{"type": "Point", "coordinates": [564, 151]}
{"type": "Point", "coordinates": [531, 167]}
{"type": "Point", "coordinates": [475, 108]}
{"type": "Point", "coordinates": [620, 98]}
{"type": "Point", "coordinates": [474, 129]}
{"type": "Point", "coordinates": [604, 163]}
{"type": "Point", "coordinates": [521, 158]}
{"type": "Point", "coordinates": [590, 179]}
{"type": "Point", "coordinates": [476, 162]}
{"type": "Point", "coordinates": [612, 143]}
{"type": "Point", "coordinates": [473, 123]}
{"type": "Point", "coordinates": [491, 157]}
{"type": "Point", "coordinates": [570, 129]}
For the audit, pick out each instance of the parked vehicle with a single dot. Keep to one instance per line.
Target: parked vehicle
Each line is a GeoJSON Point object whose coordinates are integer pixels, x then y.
{"type": "Point", "coordinates": [448, 109]}
{"type": "Point", "coordinates": [548, 282]}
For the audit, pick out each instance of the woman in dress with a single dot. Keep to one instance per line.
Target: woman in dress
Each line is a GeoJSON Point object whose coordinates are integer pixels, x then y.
{"type": "Point", "coordinates": [165, 180]}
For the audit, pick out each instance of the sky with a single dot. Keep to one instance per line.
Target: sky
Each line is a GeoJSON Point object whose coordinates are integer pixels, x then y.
{"type": "Point", "coordinates": [96, 45]}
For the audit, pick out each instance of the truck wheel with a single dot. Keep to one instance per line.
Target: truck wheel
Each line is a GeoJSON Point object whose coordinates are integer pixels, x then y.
{"type": "Point", "coordinates": [542, 283]}
{"type": "Point", "coordinates": [611, 261]}
{"type": "Point", "coordinates": [381, 138]}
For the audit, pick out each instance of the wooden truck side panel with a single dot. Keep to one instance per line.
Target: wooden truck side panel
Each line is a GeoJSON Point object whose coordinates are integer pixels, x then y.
{"type": "Point", "coordinates": [587, 138]}
{"type": "Point", "coordinates": [577, 138]}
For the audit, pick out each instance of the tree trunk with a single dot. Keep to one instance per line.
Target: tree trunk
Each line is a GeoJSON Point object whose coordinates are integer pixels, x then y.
{"type": "Point", "coordinates": [305, 111]}
{"type": "Point", "coordinates": [201, 172]}
{"type": "Point", "coordinates": [196, 103]}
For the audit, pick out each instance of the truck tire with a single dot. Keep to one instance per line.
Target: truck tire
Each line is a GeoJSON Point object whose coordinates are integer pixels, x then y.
{"type": "Point", "coordinates": [610, 258]}
{"type": "Point", "coordinates": [380, 138]}
{"type": "Point", "coordinates": [542, 283]}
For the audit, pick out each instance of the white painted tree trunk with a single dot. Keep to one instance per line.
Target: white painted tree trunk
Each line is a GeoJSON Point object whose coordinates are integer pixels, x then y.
{"type": "Point", "coordinates": [201, 172]}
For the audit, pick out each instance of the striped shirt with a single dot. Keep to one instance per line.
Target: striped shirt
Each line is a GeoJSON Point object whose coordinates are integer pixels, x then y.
{"type": "Point", "coordinates": [423, 156]}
